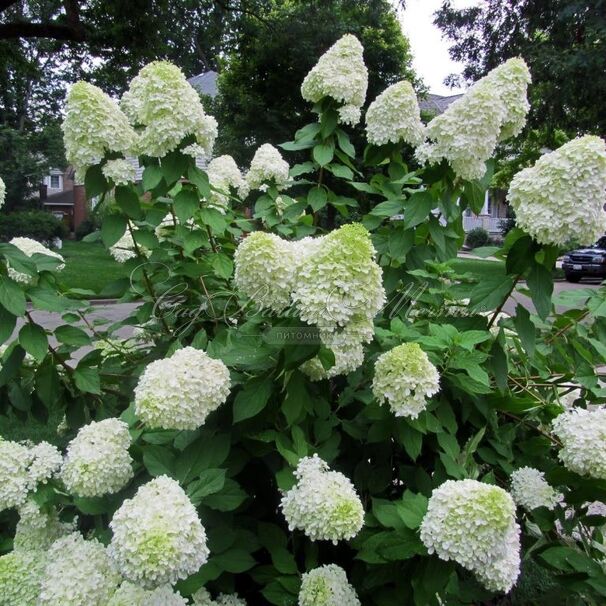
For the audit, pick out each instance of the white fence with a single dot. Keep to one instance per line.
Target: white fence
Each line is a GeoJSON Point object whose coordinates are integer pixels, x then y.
{"type": "Point", "coordinates": [491, 224]}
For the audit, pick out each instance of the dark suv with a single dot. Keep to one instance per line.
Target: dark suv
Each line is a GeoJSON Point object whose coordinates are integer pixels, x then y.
{"type": "Point", "coordinates": [586, 262]}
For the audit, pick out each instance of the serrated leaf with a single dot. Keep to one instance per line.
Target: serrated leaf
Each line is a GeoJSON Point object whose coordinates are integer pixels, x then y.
{"type": "Point", "coordinates": [252, 399]}
{"type": "Point", "coordinates": [33, 339]}
{"type": "Point", "coordinates": [12, 298]}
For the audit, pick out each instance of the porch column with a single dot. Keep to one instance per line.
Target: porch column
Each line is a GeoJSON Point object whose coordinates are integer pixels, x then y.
{"type": "Point", "coordinates": [484, 210]}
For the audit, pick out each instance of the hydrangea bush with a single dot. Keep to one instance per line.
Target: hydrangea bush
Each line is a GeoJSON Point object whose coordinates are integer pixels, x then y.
{"type": "Point", "coordinates": [308, 412]}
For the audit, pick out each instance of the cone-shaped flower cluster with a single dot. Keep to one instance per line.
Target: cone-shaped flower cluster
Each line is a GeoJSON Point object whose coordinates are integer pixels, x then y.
{"type": "Point", "coordinates": [561, 198]}
{"type": "Point", "coordinates": [467, 133]}
{"type": "Point", "coordinates": [77, 572]}
{"type": "Point", "coordinates": [120, 171]}
{"type": "Point", "coordinates": [530, 490]}
{"type": "Point", "coordinates": [93, 125]}
{"type": "Point", "coordinates": [323, 504]}
{"type": "Point", "coordinates": [181, 391]}
{"type": "Point", "coordinates": [394, 116]}
{"type": "Point", "coordinates": [583, 436]}
{"type": "Point", "coordinates": [267, 167]}
{"type": "Point", "coordinates": [129, 594]}
{"type": "Point", "coordinates": [224, 174]}
{"type": "Point", "coordinates": [31, 247]}
{"type": "Point", "coordinates": [157, 535]}
{"type": "Point", "coordinates": [167, 109]}
{"type": "Point", "coordinates": [327, 586]}
{"type": "Point", "coordinates": [474, 524]}
{"type": "Point", "coordinates": [405, 377]}
{"type": "Point", "coordinates": [340, 74]}
{"type": "Point", "coordinates": [97, 461]}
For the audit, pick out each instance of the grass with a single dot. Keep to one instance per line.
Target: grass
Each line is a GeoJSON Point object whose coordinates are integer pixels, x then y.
{"type": "Point", "coordinates": [89, 266]}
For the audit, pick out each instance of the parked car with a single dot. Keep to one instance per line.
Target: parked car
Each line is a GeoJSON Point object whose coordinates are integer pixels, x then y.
{"type": "Point", "coordinates": [586, 262]}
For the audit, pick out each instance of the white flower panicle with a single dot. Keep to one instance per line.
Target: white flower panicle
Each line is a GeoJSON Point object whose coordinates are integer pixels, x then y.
{"type": "Point", "coordinates": [97, 460]}
{"type": "Point", "coordinates": [38, 529]}
{"type": "Point", "coordinates": [77, 572]}
{"type": "Point", "coordinates": [93, 125]}
{"type": "Point", "coordinates": [203, 598]}
{"type": "Point", "coordinates": [327, 586]}
{"type": "Point", "coordinates": [265, 270]}
{"type": "Point", "coordinates": [224, 174]}
{"type": "Point", "coordinates": [405, 378]}
{"type": "Point", "coordinates": [2, 192]}
{"type": "Point", "coordinates": [124, 249]}
{"type": "Point", "coordinates": [561, 197]}
{"type": "Point", "coordinates": [120, 171]}
{"type": "Point", "coordinates": [166, 109]}
{"type": "Point", "coordinates": [467, 133]}
{"type": "Point", "coordinates": [195, 150]}
{"type": "Point", "coordinates": [181, 391]}
{"type": "Point", "coordinates": [394, 116]}
{"type": "Point", "coordinates": [583, 435]}
{"type": "Point", "coordinates": [323, 504]}
{"type": "Point", "coordinates": [15, 460]}
{"type": "Point", "coordinates": [46, 462]}
{"type": "Point", "coordinates": [530, 490]}
{"type": "Point", "coordinates": [31, 247]}
{"type": "Point", "coordinates": [20, 576]}
{"type": "Point", "coordinates": [157, 535]}
{"type": "Point", "coordinates": [129, 594]}
{"type": "Point", "coordinates": [474, 524]}
{"type": "Point", "coordinates": [340, 74]}
{"type": "Point", "coordinates": [267, 167]}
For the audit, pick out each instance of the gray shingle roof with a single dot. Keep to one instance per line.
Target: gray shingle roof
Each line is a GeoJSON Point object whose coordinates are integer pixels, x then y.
{"type": "Point", "coordinates": [205, 83]}
{"type": "Point", "coordinates": [437, 104]}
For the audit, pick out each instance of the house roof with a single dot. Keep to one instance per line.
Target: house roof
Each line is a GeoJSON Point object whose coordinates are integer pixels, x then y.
{"type": "Point", "coordinates": [205, 83]}
{"type": "Point", "coordinates": [63, 198]}
{"type": "Point", "coordinates": [437, 104]}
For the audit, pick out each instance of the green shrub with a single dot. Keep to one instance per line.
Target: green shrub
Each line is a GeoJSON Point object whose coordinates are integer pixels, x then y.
{"type": "Point", "coordinates": [36, 224]}
{"type": "Point", "coordinates": [88, 226]}
{"type": "Point", "coordinates": [477, 237]}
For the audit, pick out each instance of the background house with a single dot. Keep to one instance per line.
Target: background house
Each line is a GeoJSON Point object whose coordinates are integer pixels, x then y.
{"type": "Point", "coordinates": [61, 196]}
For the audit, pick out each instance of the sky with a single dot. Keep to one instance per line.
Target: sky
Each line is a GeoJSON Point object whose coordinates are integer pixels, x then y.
{"type": "Point", "coordinates": [430, 51]}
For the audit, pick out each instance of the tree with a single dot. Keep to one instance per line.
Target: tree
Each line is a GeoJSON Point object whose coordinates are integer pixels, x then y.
{"type": "Point", "coordinates": [563, 41]}
{"type": "Point", "coordinates": [259, 84]}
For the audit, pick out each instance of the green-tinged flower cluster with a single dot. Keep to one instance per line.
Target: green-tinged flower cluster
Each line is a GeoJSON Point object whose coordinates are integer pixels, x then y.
{"type": "Point", "coordinates": [77, 572]}
{"type": "Point", "coordinates": [181, 391]}
{"type": "Point", "coordinates": [583, 435]}
{"type": "Point", "coordinates": [327, 586]}
{"type": "Point", "coordinates": [474, 524]}
{"type": "Point", "coordinates": [323, 503]}
{"type": "Point", "coordinates": [38, 529]}
{"type": "Point", "coordinates": [157, 535]}
{"type": "Point", "coordinates": [202, 597]}
{"type": "Point", "coordinates": [225, 176]}
{"type": "Point", "coordinates": [93, 125]}
{"type": "Point", "coordinates": [561, 198]}
{"type": "Point", "coordinates": [129, 594]}
{"type": "Point", "coordinates": [267, 167]}
{"type": "Point", "coordinates": [530, 490]}
{"type": "Point", "coordinates": [97, 460]}
{"type": "Point", "coordinates": [340, 74]}
{"type": "Point", "coordinates": [166, 109]}
{"type": "Point", "coordinates": [395, 116]}
{"type": "Point", "coordinates": [120, 171]}
{"type": "Point", "coordinates": [467, 133]}
{"type": "Point", "coordinates": [31, 247]}
{"type": "Point", "coordinates": [20, 576]}
{"type": "Point", "coordinates": [22, 468]}
{"type": "Point", "coordinates": [405, 378]}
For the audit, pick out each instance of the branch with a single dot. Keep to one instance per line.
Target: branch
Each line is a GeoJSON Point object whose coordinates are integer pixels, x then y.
{"type": "Point", "coordinates": [22, 29]}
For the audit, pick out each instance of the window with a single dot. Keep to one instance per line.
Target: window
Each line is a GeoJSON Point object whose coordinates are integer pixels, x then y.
{"type": "Point", "coordinates": [55, 181]}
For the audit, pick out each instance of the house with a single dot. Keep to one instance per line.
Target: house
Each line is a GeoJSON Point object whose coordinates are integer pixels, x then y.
{"type": "Point", "coordinates": [62, 197]}
{"type": "Point", "coordinates": [494, 211]}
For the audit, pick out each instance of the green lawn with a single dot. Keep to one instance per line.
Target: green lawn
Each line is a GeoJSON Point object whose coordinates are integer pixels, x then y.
{"type": "Point", "coordinates": [88, 265]}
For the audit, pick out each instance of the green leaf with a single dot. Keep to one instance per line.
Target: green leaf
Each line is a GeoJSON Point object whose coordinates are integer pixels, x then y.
{"type": "Point", "coordinates": [32, 338]}
{"type": "Point", "coordinates": [412, 509]}
{"type": "Point", "coordinates": [344, 143]}
{"type": "Point", "coordinates": [186, 203]}
{"type": "Point", "coordinates": [252, 399]}
{"type": "Point", "coordinates": [525, 328]}
{"type": "Point", "coordinates": [540, 284]}
{"type": "Point", "coordinates": [235, 560]}
{"type": "Point", "coordinates": [87, 379]}
{"type": "Point", "coordinates": [158, 460]}
{"type": "Point", "coordinates": [519, 256]}
{"type": "Point", "coordinates": [210, 482]}
{"type": "Point", "coordinates": [92, 506]}
{"type": "Point", "coordinates": [222, 265]}
{"type": "Point", "coordinates": [71, 335]}
{"type": "Point", "coordinates": [323, 153]}
{"type": "Point", "coordinates": [11, 365]}
{"type": "Point", "coordinates": [152, 175]}
{"type": "Point", "coordinates": [174, 165]}
{"type": "Point", "coordinates": [200, 179]}
{"type": "Point", "coordinates": [95, 182]}
{"type": "Point", "coordinates": [317, 198]}
{"type": "Point", "coordinates": [302, 169]}
{"type": "Point", "coordinates": [204, 453]}
{"type": "Point", "coordinates": [128, 200]}
{"type": "Point", "coordinates": [388, 208]}
{"type": "Point", "coordinates": [491, 291]}
{"type": "Point", "coordinates": [7, 324]}
{"type": "Point", "coordinates": [410, 438]}
{"type": "Point", "coordinates": [417, 208]}
{"type": "Point", "coordinates": [387, 513]}
{"type": "Point", "coordinates": [228, 499]}
{"type": "Point", "coordinates": [12, 298]}
{"type": "Point", "coordinates": [296, 397]}
{"type": "Point", "coordinates": [340, 171]}
{"type": "Point", "coordinates": [214, 219]}
{"type": "Point", "coordinates": [112, 229]}
{"type": "Point", "coordinates": [400, 242]}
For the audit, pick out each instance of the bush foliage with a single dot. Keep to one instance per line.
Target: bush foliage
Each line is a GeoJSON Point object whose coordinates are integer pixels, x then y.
{"type": "Point", "coordinates": [36, 224]}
